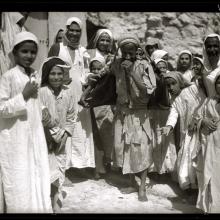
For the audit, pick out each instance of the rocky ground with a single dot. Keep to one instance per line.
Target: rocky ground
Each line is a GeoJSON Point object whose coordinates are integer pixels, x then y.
{"type": "Point", "coordinates": [86, 195]}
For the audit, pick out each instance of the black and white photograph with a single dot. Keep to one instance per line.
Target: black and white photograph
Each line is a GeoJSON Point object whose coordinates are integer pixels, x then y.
{"type": "Point", "coordinates": [109, 112]}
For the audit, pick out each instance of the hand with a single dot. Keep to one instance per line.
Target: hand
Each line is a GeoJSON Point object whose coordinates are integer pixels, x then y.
{"type": "Point", "coordinates": [30, 90]}
{"type": "Point", "coordinates": [61, 147]}
{"type": "Point", "coordinates": [93, 78]}
{"type": "Point", "coordinates": [192, 125]}
{"type": "Point", "coordinates": [127, 65]}
{"type": "Point", "coordinates": [209, 124]}
{"type": "Point", "coordinates": [83, 103]}
{"type": "Point", "coordinates": [46, 117]}
{"type": "Point", "coordinates": [165, 130]}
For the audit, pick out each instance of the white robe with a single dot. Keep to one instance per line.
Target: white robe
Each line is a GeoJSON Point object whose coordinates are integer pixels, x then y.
{"type": "Point", "coordinates": [23, 151]}
{"type": "Point", "coordinates": [80, 148]}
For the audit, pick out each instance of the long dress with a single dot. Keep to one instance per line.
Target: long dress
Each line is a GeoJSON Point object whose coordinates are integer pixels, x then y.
{"type": "Point", "coordinates": [207, 160]}
{"type": "Point", "coordinates": [80, 148]}
{"type": "Point", "coordinates": [164, 149]}
{"type": "Point", "coordinates": [63, 114]}
{"type": "Point", "coordinates": [104, 121]}
{"type": "Point", "coordinates": [184, 106]}
{"type": "Point", "coordinates": [132, 130]}
{"type": "Point", "coordinates": [23, 152]}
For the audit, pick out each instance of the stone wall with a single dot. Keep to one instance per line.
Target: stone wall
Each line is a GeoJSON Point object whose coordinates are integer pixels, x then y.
{"type": "Point", "coordinates": [176, 31]}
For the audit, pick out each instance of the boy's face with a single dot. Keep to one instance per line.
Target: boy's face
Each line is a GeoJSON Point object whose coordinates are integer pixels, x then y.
{"type": "Point", "coordinates": [128, 51]}
{"type": "Point", "coordinates": [185, 60]}
{"type": "Point", "coordinates": [173, 86]}
{"type": "Point", "coordinates": [96, 67]}
{"type": "Point", "coordinates": [26, 54]}
{"type": "Point", "coordinates": [197, 67]}
{"type": "Point", "coordinates": [56, 77]}
{"type": "Point", "coordinates": [217, 86]}
{"type": "Point", "coordinates": [212, 46]}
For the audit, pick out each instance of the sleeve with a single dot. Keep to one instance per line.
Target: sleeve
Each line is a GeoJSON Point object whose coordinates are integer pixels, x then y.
{"type": "Point", "coordinates": [173, 116]}
{"type": "Point", "coordinates": [148, 77]}
{"type": "Point", "coordinates": [54, 50]}
{"type": "Point", "coordinates": [71, 116]}
{"type": "Point", "coordinates": [10, 107]}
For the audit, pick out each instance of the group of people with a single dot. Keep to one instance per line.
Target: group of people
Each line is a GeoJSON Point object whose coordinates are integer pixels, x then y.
{"type": "Point", "coordinates": [118, 104]}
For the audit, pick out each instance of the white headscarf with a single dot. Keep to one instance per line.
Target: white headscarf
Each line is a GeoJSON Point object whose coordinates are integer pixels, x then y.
{"type": "Point", "coordinates": [205, 56]}
{"type": "Point", "coordinates": [76, 20]}
{"type": "Point", "coordinates": [156, 61]}
{"type": "Point", "coordinates": [158, 54]}
{"type": "Point", "coordinates": [180, 54]}
{"type": "Point", "coordinates": [98, 58]}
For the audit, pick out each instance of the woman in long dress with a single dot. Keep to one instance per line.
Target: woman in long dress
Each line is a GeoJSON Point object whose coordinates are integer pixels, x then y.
{"type": "Point", "coordinates": [23, 152]}
{"type": "Point", "coordinates": [80, 148]}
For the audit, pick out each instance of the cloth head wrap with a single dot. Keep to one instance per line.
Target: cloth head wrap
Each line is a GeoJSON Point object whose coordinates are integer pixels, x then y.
{"type": "Point", "coordinates": [48, 65]}
{"type": "Point", "coordinates": [99, 59]}
{"type": "Point", "coordinates": [156, 61]}
{"type": "Point", "coordinates": [128, 38]}
{"type": "Point", "coordinates": [65, 39]}
{"type": "Point", "coordinates": [24, 36]}
{"type": "Point", "coordinates": [205, 56]}
{"type": "Point", "coordinates": [158, 54]}
{"type": "Point", "coordinates": [178, 77]}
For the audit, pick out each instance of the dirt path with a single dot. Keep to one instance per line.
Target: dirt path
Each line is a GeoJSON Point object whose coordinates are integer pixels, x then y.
{"type": "Point", "coordinates": [85, 195]}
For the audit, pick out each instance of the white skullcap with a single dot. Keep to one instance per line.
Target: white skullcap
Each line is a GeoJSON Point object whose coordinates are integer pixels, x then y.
{"type": "Point", "coordinates": [74, 19]}
{"type": "Point", "coordinates": [24, 36]}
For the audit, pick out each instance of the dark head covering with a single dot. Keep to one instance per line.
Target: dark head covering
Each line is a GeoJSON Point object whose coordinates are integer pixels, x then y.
{"type": "Point", "coordinates": [48, 65]}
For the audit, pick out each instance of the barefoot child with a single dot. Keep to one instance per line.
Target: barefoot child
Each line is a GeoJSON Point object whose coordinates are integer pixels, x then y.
{"type": "Point", "coordinates": [60, 104]}
{"type": "Point", "coordinates": [23, 152]}
{"type": "Point", "coordinates": [135, 81]}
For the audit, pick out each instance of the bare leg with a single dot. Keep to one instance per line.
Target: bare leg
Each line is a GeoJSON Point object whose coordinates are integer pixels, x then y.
{"type": "Point", "coordinates": [133, 185]}
{"type": "Point", "coordinates": [142, 190]}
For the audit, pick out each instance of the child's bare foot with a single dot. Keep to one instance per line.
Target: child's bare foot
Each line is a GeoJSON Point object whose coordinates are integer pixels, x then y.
{"type": "Point", "coordinates": [142, 195]}
{"type": "Point", "coordinates": [128, 190]}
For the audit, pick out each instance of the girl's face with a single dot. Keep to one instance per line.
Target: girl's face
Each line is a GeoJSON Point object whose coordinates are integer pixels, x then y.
{"type": "Point", "coordinates": [162, 67]}
{"type": "Point", "coordinates": [25, 54]}
{"type": "Point", "coordinates": [217, 85]}
{"type": "Point", "coordinates": [185, 61]}
{"type": "Point", "coordinates": [55, 78]}
{"type": "Point", "coordinates": [73, 33]}
{"type": "Point", "coordinates": [104, 42]}
{"type": "Point", "coordinates": [173, 86]}
{"type": "Point", "coordinates": [59, 37]}
{"type": "Point", "coordinates": [96, 67]}
{"type": "Point", "coordinates": [128, 51]}
{"type": "Point", "coordinates": [197, 67]}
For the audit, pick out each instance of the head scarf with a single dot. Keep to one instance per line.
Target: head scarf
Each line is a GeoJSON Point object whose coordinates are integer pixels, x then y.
{"type": "Point", "coordinates": [74, 19]}
{"type": "Point", "coordinates": [156, 61]}
{"type": "Point", "coordinates": [24, 36]}
{"type": "Point", "coordinates": [128, 38]}
{"type": "Point", "coordinates": [158, 54]}
{"type": "Point", "coordinates": [48, 64]}
{"type": "Point", "coordinates": [65, 39]}
{"type": "Point", "coordinates": [94, 41]}
{"type": "Point", "coordinates": [55, 39]}
{"type": "Point", "coordinates": [177, 76]}
{"type": "Point", "coordinates": [97, 58]}
{"type": "Point", "coordinates": [205, 56]}
{"type": "Point", "coordinates": [180, 54]}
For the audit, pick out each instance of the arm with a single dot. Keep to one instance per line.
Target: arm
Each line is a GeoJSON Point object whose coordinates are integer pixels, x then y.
{"type": "Point", "coordinates": [10, 107]}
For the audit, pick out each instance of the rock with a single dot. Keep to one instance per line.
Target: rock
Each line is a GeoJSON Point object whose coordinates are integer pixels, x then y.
{"type": "Point", "coordinates": [176, 23]}
{"type": "Point", "coordinates": [153, 22]}
{"type": "Point", "coordinates": [159, 34]}
{"type": "Point", "coordinates": [185, 19]}
{"type": "Point", "coordinates": [150, 33]}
